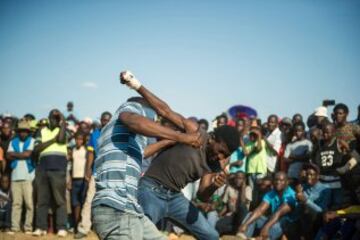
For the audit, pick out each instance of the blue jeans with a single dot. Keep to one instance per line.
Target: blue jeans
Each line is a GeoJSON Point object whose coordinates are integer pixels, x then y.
{"type": "Point", "coordinates": [275, 231]}
{"type": "Point", "coordinates": [111, 224]}
{"type": "Point", "coordinates": [159, 202]}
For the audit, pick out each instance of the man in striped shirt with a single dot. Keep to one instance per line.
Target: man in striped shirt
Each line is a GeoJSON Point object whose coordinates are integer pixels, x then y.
{"type": "Point", "coordinates": [121, 147]}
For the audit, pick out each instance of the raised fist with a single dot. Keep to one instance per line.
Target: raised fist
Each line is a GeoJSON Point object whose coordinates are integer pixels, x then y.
{"type": "Point", "coordinates": [129, 79]}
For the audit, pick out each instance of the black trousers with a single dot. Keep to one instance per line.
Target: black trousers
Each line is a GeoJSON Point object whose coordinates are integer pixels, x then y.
{"type": "Point", "coordinates": [51, 184]}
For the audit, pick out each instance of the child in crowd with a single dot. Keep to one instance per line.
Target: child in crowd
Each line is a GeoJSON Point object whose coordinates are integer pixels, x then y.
{"type": "Point", "coordinates": [5, 203]}
{"type": "Point", "coordinates": [79, 185]}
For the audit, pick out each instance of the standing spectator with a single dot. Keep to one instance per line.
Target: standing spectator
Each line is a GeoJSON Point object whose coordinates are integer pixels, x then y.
{"type": "Point", "coordinates": [357, 120]}
{"type": "Point", "coordinates": [51, 174]}
{"type": "Point", "coordinates": [5, 203]}
{"type": "Point", "coordinates": [297, 152]}
{"type": "Point", "coordinates": [329, 157]}
{"type": "Point", "coordinates": [255, 152]}
{"type": "Point", "coordinates": [6, 135]}
{"type": "Point", "coordinates": [84, 225]}
{"type": "Point", "coordinates": [2, 160]}
{"type": "Point", "coordinates": [285, 127]}
{"type": "Point", "coordinates": [70, 114]}
{"type": "Point", "coordinates": [22, 176]}
{"type": "Point", "coordinates": [273, 142]}
{"type": "Point", "coordinates": [321, 117]}
{"type": "Point", "coordinates": [345, 131]}
{"type": "Point", "coordinates": [221, 120]}
{"type": "Point", "coordinates": [78, 183]}
{"type": "Point", "coordinates": [297, 118]}
{"type": "Point", "coordinates": [204, 124]}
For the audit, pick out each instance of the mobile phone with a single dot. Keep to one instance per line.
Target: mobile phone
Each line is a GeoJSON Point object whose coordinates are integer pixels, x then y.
{"type": "Point", "coordinates": [328, 102]}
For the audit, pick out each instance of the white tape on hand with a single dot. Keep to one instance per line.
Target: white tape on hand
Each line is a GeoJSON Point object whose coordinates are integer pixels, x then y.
{"type": "Point", "coordinates": [131, 81]}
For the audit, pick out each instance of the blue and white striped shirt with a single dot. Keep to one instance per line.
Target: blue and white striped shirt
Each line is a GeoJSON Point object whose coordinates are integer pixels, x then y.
{"type": "Point", "coordinates": [118, 163]}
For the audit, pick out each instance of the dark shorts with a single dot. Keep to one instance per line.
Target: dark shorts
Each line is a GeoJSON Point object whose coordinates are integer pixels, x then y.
{"type": "Point", "coordinates": [78, 192]}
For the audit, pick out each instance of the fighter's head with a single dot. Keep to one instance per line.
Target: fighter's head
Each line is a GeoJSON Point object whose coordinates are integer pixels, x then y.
{"type": "Point", "coordinates": [223, 141]}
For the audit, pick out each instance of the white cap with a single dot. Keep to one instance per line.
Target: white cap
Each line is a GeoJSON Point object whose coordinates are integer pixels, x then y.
{"type": "Point", "coordinates": [321, 112]}
{"type": "Point", "coordinates": [88, 120]}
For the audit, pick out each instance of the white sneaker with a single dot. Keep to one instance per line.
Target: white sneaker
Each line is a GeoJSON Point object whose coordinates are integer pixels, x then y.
{"type": "Point", "coordinates": [62, 233]}
{"type": "Point", "coordinates": [38, 232]}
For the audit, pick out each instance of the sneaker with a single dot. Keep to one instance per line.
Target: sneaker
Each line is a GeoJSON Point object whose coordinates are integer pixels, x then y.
{"type": "Point", "coordinates": [62, 233]}
{"type": "Point", "coordinates": [10, 232]}
{"type": "Point", "coordinates": [38, 232]}
{"type": "Point", "coordinates": [27, 232]}
{"type": "Point", "coordinates": [79, 235]}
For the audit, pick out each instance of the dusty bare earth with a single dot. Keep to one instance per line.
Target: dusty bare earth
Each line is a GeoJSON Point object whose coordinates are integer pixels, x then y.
{"type": "Point", "coordinates": [92, 236]}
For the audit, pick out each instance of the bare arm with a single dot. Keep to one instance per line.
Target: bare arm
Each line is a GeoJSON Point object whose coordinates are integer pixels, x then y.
{"type": "Point", "coordinates": [258, 212]}
{"type": "Point", "coordinates": [209, 183]}
{"type": "Point", "coordinates": [89, 162]}
{"type": "Point", "coordinates": [15, 155]}
{"type": "Point", "coordinates": [61, 138]}
{"type": "Point", "coordinates": [283, 210]}
{"type": "Point", "coordinates": [153, 148]}
{"type": "Point", "coordinates": [161, 107]}
{"type": "Point", "coordinates": [144, 126]}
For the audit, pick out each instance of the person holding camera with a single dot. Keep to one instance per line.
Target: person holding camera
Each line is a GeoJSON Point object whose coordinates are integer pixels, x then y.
{"type": "Point", "coordinates": [50, 176]}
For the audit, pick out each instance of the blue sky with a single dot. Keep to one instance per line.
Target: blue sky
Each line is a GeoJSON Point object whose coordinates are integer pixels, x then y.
{"type": "Point", "coordinates": [201, 57]}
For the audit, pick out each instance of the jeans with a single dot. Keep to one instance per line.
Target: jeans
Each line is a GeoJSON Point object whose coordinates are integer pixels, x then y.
{"type": "Point", "coordinates": [5, 215]}
{"type": "Point", "coordinates": [51, 183]}
{"type": "Point", "coordinates": [159, 202]}
{"type": "Point", "coordinates": [111, 224]}
{"type": "Point", "coordinates": [275, 231]}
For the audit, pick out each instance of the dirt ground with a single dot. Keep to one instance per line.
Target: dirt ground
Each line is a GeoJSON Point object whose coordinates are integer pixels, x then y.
{"type": "Point", "coordinates": [92, 236]}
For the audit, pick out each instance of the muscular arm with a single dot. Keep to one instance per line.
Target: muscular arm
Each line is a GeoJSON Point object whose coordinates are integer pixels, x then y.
{"type": "Point", "coordinates": [153, 148]}
{"type": "Point", "coordinates": [165, 111]}
{"type": "Point", "coordinates": [258, 212]}
{"type": "Point", "coordinates": [283, 210]}
{"type": "Point", "coordinates": [209, 183]}
{"type": "Point", "coordinates": [144, 126]}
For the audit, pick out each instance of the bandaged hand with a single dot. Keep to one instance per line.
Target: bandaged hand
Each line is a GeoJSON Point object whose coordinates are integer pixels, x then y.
{"type": "Point", "coordinates": [130, 80]}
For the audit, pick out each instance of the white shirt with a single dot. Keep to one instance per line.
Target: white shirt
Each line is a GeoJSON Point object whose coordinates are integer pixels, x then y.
{"type": "Point", "coordinates": [274, 138]}
{"type": "Point", "coordinates": [79, 162]}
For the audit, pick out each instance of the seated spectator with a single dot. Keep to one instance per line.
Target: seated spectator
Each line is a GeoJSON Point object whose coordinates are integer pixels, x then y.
{"type": "Point", "coordinates": [22, 176]}
{"type": "Point", "coordinates": [314, 200]}
{"type": "Point", "coordinates": [297, 152]}
{"type": "Point", "coordinates": [282, 203]}
{"type": "Point", "coordinates": [236, 199]}
{"type": "Point", "coordinates": [5, 203]}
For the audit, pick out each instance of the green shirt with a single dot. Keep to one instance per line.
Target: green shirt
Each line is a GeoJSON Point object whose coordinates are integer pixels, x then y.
{"type": "Point", "coordinates": [256, 161]}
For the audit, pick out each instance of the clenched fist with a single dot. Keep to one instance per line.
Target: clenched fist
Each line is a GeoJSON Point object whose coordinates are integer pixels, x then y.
{"type": "Point", "coordinates": [130, 80]}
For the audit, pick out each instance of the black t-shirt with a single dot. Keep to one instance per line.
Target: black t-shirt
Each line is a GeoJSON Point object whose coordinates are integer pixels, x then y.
{"type": "Point", "coordinates": [329, 158]}
{"type": "Point", "coordinates": [179, 165]}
